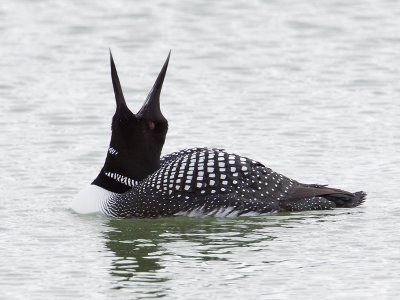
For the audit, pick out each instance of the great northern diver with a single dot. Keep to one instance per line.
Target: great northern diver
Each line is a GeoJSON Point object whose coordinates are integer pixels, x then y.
{"type": "Point", "coordinates": [197, 181]}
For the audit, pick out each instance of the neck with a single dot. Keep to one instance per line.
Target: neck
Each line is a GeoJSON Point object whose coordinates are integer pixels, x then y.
{"type": "Point", "coordinates": [135, 165]}
{"type": "Point", "coordinates": [113, 182]}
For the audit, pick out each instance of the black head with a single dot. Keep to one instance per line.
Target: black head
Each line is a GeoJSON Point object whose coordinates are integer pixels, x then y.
{"type": "Point", "coordinates": [136, 139]}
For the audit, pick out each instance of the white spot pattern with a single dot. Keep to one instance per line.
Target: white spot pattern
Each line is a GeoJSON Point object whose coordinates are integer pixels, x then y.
{"type": "Point", "coordinates": [246, 187]}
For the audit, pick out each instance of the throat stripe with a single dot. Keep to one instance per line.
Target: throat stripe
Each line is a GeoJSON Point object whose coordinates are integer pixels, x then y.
{"type": "Point", "coordinates": [122, 179]}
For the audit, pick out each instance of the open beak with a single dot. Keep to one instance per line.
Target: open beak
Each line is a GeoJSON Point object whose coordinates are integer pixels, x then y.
{"type": "Point", "coordinates": [151, 107]}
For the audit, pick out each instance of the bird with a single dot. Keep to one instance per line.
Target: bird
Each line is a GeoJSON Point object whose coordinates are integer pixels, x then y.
{"type": "Point", "coordinates": [136, 183]}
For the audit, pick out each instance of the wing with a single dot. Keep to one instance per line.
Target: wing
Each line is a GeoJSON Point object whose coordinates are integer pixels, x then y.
{"type": "Point", "coordinates": [207, 180]}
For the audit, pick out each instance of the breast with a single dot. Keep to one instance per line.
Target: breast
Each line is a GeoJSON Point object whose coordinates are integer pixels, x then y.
{"type": "Point", "coordinates": [91, 199]}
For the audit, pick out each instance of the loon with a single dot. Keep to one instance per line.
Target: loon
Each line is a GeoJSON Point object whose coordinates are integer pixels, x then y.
{"type": "Point", "coordinates": [135, 183]}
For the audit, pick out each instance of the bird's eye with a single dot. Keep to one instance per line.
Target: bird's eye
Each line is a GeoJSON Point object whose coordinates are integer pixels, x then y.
{"type": "Point", "coordinates": [152, 125]}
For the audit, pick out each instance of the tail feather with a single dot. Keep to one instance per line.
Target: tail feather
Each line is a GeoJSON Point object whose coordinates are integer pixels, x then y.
{"type": "Point", "coordinates": [316, 197]}
{"type": "Point", "coordinates": [347, 201]}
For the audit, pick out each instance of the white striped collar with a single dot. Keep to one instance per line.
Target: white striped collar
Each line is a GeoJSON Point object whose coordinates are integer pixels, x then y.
{"type": "Point", "coordinates": [122, 179]}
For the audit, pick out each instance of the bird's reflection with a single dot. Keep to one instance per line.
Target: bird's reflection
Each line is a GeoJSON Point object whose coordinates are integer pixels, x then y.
{"type": "Point", "coordinates": [142, 247]}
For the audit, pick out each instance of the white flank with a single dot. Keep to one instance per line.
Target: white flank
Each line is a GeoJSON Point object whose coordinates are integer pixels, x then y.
{"type": "Point", "coordinates": [91, 200]}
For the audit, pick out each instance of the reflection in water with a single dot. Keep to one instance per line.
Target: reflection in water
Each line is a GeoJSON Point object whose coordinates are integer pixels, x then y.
{"type": "Point", "coordinates": [143, 248]}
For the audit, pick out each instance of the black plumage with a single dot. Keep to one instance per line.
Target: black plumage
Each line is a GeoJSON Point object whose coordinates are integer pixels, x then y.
{"type": "Point", "coordinates": [136, 139]}
{"type": "Point", "coordinates": [214, 182]}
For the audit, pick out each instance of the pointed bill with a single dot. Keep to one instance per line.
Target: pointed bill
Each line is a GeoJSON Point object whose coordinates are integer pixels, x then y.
{"type": "Point", "coordinates": [119, 96]}
{"type": "Point", "coordinates": [151, 107]}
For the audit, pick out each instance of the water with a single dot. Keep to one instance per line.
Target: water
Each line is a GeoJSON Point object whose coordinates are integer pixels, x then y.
{"type": "Point", "coordinates": [311, 90]}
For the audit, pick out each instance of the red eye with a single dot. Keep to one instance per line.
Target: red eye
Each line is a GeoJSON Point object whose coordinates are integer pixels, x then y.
{"type": "Point", "coordinates": [152, 125]}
